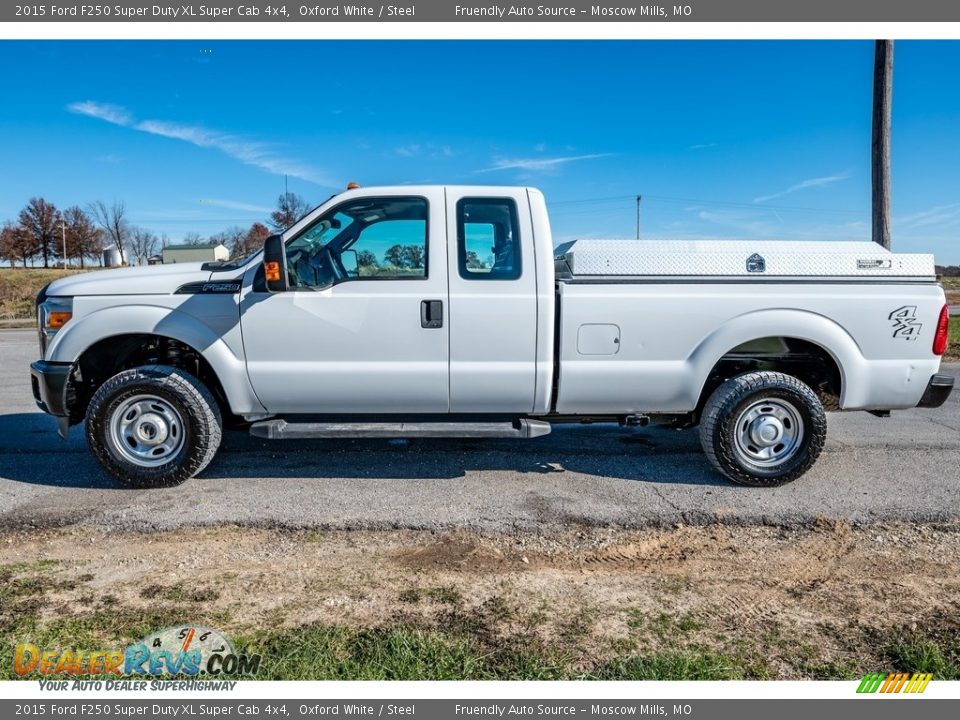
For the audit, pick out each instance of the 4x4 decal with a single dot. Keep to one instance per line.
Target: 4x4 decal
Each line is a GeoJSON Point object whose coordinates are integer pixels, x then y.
{"type": "Point", "coordinates": [905, 323]}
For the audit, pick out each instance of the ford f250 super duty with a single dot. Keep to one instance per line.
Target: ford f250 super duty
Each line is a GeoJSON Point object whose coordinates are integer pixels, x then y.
{"type": "Point", "coordinates": [447, 311]}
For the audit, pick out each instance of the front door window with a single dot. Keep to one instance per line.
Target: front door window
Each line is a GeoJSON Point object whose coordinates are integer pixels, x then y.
{"type": "Point", "coordinates": [365, 239]}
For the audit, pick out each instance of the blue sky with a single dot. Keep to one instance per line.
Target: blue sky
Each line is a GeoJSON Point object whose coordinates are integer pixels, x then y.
{"type": "Point", "coordinates": [723, 139]}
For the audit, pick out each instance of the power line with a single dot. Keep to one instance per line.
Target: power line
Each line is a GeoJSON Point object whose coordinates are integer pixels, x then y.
{"type": "Point", "coordinates": [667, 198]}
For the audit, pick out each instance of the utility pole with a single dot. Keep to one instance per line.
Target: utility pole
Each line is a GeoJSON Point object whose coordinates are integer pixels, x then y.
{"type": "Point", "coordinates": [639, 198]}
{"type": "Point", "coordinates": [63, 232]}
{"type": "Point", "coordinates": [880, 145]}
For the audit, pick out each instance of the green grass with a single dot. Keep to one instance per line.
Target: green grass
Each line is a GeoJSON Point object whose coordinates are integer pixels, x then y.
{"type": "Point", "coordinates": [939, 655]}
{"type": "Point", "coordinates": [953, 341]}
{"type": "Point", "coordinates": [325, 652]}
{"type": "Point", "coordinates": [702, 665]}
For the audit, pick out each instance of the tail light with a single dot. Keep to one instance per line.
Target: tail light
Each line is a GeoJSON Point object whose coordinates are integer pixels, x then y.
{"type": "Point", "coordinates": [943, 330]}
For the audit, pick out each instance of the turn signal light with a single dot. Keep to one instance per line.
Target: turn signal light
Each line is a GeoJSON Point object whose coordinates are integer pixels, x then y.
{"type": "Point", "coordinates": [57, 319]}
{"type": "Point", "coordinates": [943, 331]}
{"type": "Point", "coordinates": [271, 270]}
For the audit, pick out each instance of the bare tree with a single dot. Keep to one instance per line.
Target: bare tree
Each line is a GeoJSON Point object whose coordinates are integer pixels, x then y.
{"type": "Point", "coordinates": [15, 244]}
{"type": "Point", "coordinates": [193, 238]}
{"type": "Point", "coordinates": [143, 244]}
{"type": "Point", "coordinates": [880, 147]}
{"type": "Point", "coordinates": [84, 238]}
{"type": "Point", "coordinates": [113, 220]}
{"type": "Point", "coordinates": [40, 220]}
{"type": "Point", "coordinates": [290, 208]}
{"type": "Point", "coordinates": [231, 238]}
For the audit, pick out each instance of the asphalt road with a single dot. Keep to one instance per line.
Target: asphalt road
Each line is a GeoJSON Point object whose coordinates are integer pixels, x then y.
{"type": "Point", "coordinates": [906, 467]}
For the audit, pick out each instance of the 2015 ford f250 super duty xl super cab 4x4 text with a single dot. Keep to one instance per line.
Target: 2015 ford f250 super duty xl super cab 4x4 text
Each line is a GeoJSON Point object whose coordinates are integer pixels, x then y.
{"type": "Point", "coordinates": [447, 311]}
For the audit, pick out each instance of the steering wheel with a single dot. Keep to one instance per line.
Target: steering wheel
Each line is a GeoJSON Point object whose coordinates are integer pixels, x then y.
{"type": "Point", "coordinates": [324, 267]}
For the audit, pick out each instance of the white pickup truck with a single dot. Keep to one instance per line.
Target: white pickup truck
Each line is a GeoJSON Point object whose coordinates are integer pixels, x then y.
{"type": "Point", "coordinates": [447, 311]}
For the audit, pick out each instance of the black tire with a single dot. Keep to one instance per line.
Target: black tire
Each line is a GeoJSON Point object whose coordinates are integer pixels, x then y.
{"type": "Point", "coordinates": [734, 443]}
{"type": "Point", "coordinates": [184, 412]}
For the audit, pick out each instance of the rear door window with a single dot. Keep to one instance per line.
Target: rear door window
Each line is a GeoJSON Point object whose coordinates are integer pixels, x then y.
{"type": "Point", "coordinates": [488, 239]}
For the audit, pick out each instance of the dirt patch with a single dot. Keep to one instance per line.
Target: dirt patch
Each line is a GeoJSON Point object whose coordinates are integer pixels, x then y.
{"type": "Point", "coordinates": [802, 603]}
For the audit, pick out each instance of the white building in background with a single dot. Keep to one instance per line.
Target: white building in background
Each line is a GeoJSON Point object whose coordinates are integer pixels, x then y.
{"type": "Point", "coordinates": [111, 257]}
{"type": "Point", "coordinates": [195, 253]}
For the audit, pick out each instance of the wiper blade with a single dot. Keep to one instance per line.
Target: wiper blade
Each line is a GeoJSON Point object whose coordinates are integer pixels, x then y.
{"type": "Point", "coordinates": [221, 265]}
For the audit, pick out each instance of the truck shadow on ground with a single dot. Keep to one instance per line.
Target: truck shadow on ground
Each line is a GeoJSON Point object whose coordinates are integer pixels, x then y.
{"type": "Point", "coordinates": [30, 452]}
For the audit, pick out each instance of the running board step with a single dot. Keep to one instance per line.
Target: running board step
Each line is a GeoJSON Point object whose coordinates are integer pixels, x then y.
{"type": "Point", "coordinates": [284, 430]}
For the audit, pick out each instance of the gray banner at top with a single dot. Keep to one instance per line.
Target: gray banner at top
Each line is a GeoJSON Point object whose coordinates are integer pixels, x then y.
{"type": "Point", "coordinates": [480, 11]}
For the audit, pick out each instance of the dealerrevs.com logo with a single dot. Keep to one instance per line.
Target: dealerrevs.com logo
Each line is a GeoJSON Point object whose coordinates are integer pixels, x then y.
{"type": "Point", "coordinates": [189, 650]}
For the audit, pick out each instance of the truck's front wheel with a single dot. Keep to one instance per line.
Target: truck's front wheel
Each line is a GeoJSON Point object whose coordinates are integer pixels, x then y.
{"type": "Point", "coordinates": [153, 426]}
{"type": "Point", "coordinates": [763, 428]}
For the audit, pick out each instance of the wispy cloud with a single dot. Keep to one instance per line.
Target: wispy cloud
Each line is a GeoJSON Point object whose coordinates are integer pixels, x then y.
{"type": "Point", "coordinates": [255, 154]}
{"type": "Point", "coordinates": [416, 149]}
{"type": "Point", "coordinates": [538, 163]}
{"type": "Point", "coordinates": [804, 185]}
{"type": "Point", "coordinates": [940, 214]}
{"type": "Point", "coordinates": [408, 150]}
{"type": "Point", "coordinates": [767, 223]}
{"type": "Point", "coordinates": [102, 111]}
{"type": "Point", "coordinates": [234, 205]}
{"type": "Point", "coordinates": [702, 146]}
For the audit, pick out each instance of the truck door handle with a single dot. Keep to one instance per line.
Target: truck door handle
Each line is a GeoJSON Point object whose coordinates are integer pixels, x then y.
{"type": "Point", "coordinates": [431, 313]}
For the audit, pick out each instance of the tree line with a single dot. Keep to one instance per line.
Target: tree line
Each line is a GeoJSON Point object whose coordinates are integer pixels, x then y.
{"type": "Point", "coordinates": [43, 235]}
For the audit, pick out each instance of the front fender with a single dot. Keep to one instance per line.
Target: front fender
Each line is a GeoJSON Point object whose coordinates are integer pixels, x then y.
{"type": "Point", "coordinates": [207, 339]}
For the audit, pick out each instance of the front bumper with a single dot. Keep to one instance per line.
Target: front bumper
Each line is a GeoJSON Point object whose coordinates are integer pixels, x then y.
{"type": "Point", "coordinates": [937, 392]}
{"type": "Point", "coordinates": [49, 382]}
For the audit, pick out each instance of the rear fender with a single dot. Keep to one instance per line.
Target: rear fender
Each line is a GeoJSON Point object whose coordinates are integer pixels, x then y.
{"type": "Point", "coordinates": [799, 324]}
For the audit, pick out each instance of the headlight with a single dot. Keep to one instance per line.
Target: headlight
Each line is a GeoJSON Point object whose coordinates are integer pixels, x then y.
{"type": "Point", "coordinates": [52, 314]}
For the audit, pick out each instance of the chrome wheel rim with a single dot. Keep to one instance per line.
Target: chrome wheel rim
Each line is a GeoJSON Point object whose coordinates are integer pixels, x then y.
{"type": "Point", "coordinates": [769, 432]}
{"type": "Point", "coordinates": [147, 430]}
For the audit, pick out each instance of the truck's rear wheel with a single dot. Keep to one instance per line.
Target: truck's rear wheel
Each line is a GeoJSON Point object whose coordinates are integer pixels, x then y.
{"type": "Point", "coordinates": [763, 428]}
{"type": "Point", "coordinates": [153, 426]}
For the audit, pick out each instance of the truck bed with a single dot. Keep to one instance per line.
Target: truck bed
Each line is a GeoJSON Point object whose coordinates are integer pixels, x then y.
{"type": "Point", "coordinates": [641, 323]}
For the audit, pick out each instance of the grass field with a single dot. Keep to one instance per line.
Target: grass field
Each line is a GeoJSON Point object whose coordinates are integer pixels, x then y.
{"type": "Point", "coordinates": [951, 286]}
{"type": "Point", "coordinates": [18, 288]}
{"type": "Point", "coordinates": [953, 342]}
{"type": "Point", "coordinates": [665, 605]}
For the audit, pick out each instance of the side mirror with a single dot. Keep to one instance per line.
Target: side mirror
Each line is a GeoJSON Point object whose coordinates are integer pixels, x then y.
{"type": "Point", "coordinates": [275, 264]}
